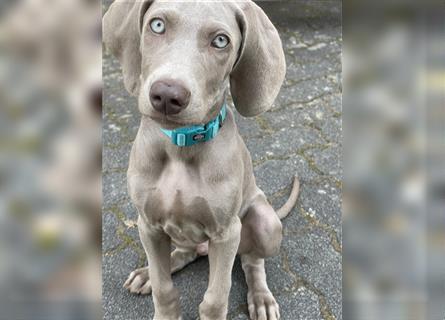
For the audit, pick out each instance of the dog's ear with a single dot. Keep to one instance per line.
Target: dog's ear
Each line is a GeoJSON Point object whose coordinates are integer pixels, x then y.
{"type": "Point", "coordinates": [257, 75]}
{"type": "Point", "coordinates": [122, 28]}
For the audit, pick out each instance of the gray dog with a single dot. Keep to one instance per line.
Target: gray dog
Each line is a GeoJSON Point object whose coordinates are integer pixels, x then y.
{"type": "Point", "coordinates": [190, 174]}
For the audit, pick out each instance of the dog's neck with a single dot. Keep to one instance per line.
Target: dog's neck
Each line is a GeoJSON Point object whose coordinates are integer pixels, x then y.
{"type": "Point", "coordinates": [191, 135]}
{"type": "Point", "coordinates": [154, 136]}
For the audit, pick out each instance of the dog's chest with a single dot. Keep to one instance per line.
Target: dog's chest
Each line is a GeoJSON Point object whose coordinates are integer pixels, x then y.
{"type": "Point", "coordinates": [189, 207]}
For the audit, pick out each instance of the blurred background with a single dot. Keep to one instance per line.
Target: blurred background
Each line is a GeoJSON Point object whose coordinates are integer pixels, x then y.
{"type": "Point", "coordinates": [50, 159]}
{"type": "Point", "coordinates": [394, 156]}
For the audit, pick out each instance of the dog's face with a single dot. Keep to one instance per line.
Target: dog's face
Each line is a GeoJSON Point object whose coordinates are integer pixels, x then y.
{"type": "Point", "coordinates": [188, 52]}
{"type": "Point", "coordinates": [178, 57]}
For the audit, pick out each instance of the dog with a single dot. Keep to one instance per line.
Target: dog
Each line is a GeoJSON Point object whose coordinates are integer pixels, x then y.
{"type": "Point", "coordinates": [190, 174]}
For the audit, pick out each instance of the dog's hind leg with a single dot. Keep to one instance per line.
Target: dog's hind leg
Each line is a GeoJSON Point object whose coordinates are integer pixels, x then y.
{"type": "Point", "coordinates": [139, 280]}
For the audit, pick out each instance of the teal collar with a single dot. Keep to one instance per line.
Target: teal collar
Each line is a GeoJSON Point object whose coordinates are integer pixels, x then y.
{"type": "Point", "coordinates": [188, 136]}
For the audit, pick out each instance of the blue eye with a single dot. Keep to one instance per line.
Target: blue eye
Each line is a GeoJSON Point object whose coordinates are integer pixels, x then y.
{"type": "Point", "coordinates": [221, 41]}
{"type": "Point", "coordinates": [157, 25]}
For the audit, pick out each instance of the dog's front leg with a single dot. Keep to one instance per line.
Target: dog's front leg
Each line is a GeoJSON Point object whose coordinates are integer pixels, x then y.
{"type": "Point", "coordinates": [222, 252]}
{"type": "Point", "coordinates": [165, 296]}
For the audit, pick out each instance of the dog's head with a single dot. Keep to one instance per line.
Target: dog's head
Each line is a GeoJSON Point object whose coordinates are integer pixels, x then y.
{"type": "Point", "coordinates": [178, 57]}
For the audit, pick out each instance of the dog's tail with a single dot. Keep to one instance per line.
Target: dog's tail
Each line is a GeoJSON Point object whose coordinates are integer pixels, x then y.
{"type": "Point", "coordinates": [290, 203]}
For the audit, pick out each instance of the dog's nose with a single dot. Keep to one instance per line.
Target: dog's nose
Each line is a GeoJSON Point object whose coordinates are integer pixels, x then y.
{"type": "Point", "coordinates": [169, 96]}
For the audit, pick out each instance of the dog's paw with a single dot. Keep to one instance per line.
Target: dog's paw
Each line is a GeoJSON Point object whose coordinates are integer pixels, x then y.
{"type": "Point", "coordinates": [138, 282]}
{"type": "Point", "coordinates": [262, 305]}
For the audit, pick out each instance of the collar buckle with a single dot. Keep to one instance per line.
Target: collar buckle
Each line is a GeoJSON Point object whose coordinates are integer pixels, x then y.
{"type": "Point", "coordinates": [188, 136]}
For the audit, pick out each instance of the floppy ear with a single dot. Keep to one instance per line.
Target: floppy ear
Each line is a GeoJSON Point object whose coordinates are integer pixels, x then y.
{"type": "Point", "coordinates": [259, 72]}
{"type": "Point", "coordinates": [122, 28]}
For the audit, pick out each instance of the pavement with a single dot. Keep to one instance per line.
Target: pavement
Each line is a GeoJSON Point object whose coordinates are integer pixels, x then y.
{"type": "Point", "coordinates": [301, 133]}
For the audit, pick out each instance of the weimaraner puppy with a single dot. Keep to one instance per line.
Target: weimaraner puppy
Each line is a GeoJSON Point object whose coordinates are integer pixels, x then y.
{"type": "Point", "coordinates": [190, 174]}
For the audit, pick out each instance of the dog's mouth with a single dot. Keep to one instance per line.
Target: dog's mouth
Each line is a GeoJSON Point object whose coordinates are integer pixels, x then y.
{"type": "Point", "coordinates": [170, 122]}
{"type": "Point", "coordinates": [175, 121]}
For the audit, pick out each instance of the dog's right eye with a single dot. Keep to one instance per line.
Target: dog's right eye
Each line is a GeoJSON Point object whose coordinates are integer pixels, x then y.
{"type": "Point", "coordinates": [221, 41]}
{"type": "Point", "coordinates": [157, 25]}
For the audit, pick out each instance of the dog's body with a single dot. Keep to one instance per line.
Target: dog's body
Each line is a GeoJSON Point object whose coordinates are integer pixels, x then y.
{"type": "Point", "coordinates": [203, 199]}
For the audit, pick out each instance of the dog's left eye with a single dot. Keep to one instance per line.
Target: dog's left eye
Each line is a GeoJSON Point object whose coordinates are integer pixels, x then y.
{"type": "Point", "coordinates": [157, 25]}
{"type": "Point", "coordinates": [221, 41]}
